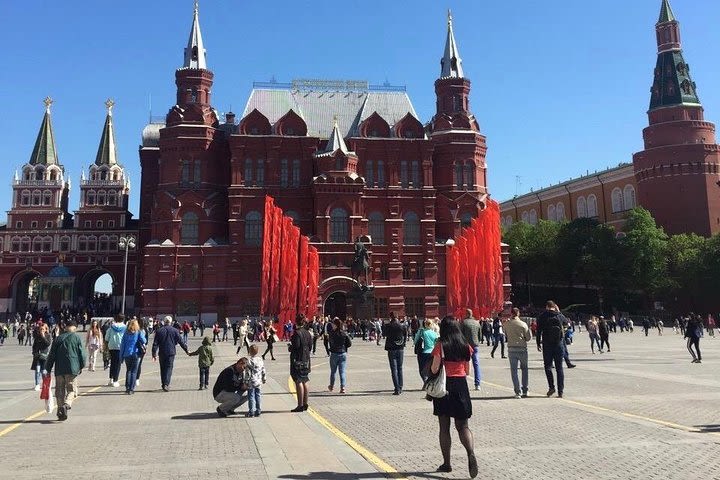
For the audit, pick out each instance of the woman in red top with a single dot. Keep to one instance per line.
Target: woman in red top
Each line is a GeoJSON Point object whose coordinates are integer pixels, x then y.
{"type": "Point", "coordinates": [454, 352]}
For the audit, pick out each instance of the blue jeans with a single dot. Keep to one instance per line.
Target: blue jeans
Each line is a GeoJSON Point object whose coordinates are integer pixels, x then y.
{"type": "Point", "coordinates": [519, 356]}
{"type": "Point", "coordinates": [554, 354]}
{"type": "Point", "coordinates": [424, 360]}
{"type": "Point", "coordinates": [38, 371]}
{"type": "Point", "coordinates": [476, 365]}
{"type": "Point", "coordinates": [166, 368]}
{"type": "Point", "coordinates": [395, 357]}
{"type": "Point", "coordinates": [131, 368]}
{"type": "Point", "coordinates": [338, 361]}
{"type": "Point", "coordinates": [254, 396]}
{"type": "Point", "coordinates": [204, 376]}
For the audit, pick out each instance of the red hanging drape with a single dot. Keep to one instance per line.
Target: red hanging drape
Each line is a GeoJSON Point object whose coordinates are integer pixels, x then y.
{"type": "Point", "coordinates": [463, 261]}
{"type": "Point", "coordinates": [499, 294]}
{"type": "Point", "coordinates": [303, 269]}
{"type": "Point", "coordinates": [472, 267]}
{"type": "Point", "coordinates": [313, 280]}
{"type": "Point", "coordinates": [451, 286]}
{"type": "Point", "coordinates": [276, 250]}
{"type": "Point", "coordinates": [293, 273]}
{"type": "Point", "coordinates": [266, 256]}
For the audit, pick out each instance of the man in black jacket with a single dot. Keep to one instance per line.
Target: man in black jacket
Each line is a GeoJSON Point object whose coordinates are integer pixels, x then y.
{"type": "Point", "coordinates": [550, 338]}
{"type": "Point", "coordinates": [395, 339]}
{"type": "Point", "coordinates": [229, 388]}
{"type": "Point", "coordinates": [166, 338]}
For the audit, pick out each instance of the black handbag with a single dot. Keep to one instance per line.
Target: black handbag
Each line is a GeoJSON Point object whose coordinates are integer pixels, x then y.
{"type": "Point", "coordinates": [420, 344]}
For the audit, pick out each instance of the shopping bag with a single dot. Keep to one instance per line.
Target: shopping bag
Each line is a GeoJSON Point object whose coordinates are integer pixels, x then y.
{"type": "Point", "coordinates": [45, 389]}
{"type": "Point", "coordinates": [49, 404]}
{"type": "Point", "coordinates": [435, 385]}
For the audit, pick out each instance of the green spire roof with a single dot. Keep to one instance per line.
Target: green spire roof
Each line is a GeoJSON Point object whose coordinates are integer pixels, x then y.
{"type": "Point", "coordinates": [107, 151]}
{"type": "Point", "coordinates": [666, 13]}
{"type": "Point", "coordinates": [44, 152]}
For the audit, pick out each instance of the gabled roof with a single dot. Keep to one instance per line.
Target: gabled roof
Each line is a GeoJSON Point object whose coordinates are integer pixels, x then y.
{"type": "Point", "coordinates": [107, 150]}
{"type": "Point", "coordinates": [319, 102]}
{"type": "Point", "coordinates": [44, 152]}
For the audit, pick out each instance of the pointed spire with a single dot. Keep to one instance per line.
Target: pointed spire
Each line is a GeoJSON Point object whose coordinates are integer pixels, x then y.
{"type": "Point", "coordinates": [195, 51]}
{"type": "Point", "coordinates": [107, 151]}
{"type": "Point", "coordinates": [666, 13]}
{"type": "Point", "coordinates": [44, 152]}
{"type": "Point", "coordinates": [336, 141]}
{"type": "Point", "coordinates": [451, 62]}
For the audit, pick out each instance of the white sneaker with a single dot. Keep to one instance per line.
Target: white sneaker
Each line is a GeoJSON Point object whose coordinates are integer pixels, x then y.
{"type": "Point", "coordinates": [110, 383]}
{"type": "Point", "coordinates": [137, 382]}
{"type": "Point", "coordinates": [37, 388]}
{"type": "Point", "coordinates": [115, 384]}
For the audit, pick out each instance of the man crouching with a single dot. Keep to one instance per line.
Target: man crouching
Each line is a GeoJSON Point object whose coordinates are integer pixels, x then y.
{"type": "Point", "coordinates": [230, 390]}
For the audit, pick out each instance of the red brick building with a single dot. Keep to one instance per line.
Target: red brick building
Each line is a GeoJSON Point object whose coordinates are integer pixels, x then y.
{"type": "Point", "coordinates": [50, 258]}
{"type": "Point", "coordinates": [676, 177]}
{"type": "Point", "coordinates": [345, 160]}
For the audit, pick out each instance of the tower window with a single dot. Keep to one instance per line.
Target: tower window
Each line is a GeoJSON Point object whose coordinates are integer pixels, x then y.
{"type": "Point", "coordinates": [260, 174]}
{"type": "Point", "coordinates": [404, 180]}
{"type": "Point", "coordinates": [195, 52]}
{"type": "Point", "coordinates": [284, 173]}
{"type": "Point", "coordinates": [296, 173]}
{"type": "Point", "coordinates": [189, 230]}
{"type": "Point", "coordinates": [193, 95]}
{"type": "Point", "coordinates": [381, 173]}
{"type": "Point", "coordinates": [369, 173]}
{"type": "Point", "coordinates": [253, 229]}
{"type": "Point", "coordinates": [339, 225]}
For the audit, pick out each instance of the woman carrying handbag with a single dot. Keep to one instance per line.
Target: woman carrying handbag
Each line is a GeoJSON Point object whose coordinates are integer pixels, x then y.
{"type": "Point", "coordinates": [453, 353]}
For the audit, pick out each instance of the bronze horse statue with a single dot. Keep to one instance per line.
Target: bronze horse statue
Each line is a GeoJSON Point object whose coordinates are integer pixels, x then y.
{"type": "Point", "coordinates": [361, 263]}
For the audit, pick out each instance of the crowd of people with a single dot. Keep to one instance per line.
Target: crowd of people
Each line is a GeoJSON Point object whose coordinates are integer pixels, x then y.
{"type": "Point", "coordinates": [450, 344]}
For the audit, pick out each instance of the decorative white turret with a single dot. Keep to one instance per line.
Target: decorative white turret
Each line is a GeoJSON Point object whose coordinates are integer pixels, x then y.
{"type": "Point", "coordinates": [195, 50]}
{"type": "Point", "coordinates": [451, 62]}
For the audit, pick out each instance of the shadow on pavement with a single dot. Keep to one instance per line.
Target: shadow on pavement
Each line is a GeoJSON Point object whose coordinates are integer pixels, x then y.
{"type": "Point", "coordinates": [483, 399]}
{"type": "Point", "coordinates": [210, 415]}
{"type": "Point", "coordinates": [349, 476]}
{"type": "Point", "coordinates": [708, 428]}
{"type": "Point", "coordinates": [43, 422]}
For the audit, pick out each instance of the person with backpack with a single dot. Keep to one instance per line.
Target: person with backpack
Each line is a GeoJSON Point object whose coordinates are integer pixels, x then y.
{"type": "Point", "coordinates": [550, 339]}
{"type": "Point", "coordinates": [693, 332]}
{"type": "Point", "coordinates": [395, 346]}
{"type": "Point", "coordinates": [339, 342]}
{"type": "Point", "coordinates": [425, 339]}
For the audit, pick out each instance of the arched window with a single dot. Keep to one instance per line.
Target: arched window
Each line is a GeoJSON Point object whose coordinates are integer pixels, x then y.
{"type": "Point", "coordinates": [37, 244]}
{"type": "Point", "coordinates": [189, 229]}
{"type": "Point", "coordinates": [112, 198]}
{"type": "Point", "coordinates": [415, 175]}
{"type": "Point", "coordinates": [376, 228]}
{"type": "Point", "coordinates": [92, 243]}
{"type": "Point", "coordinates": [466, 219]}
{"type": "Point", "coordinates": [592, 208]}
{"type": "Point", "coordinates": [25, 244]}
{"type": "Point", "coordinates": [248, 172]}
{"type": "Point", "coordinates": [15, 244]}
{"type": "Point", "coordinates": [47, 198]}
{"type": "Point", "coordinates": [617, 200]}
{"type": "Point", "coordinates": [53, 175]}
{"type": "Point", "coordinates": [296, 173]}
{"type": "Point", "coordinates": [25, 198]}
{"type": "Point", "coordinates": [90, 198]}
{"type": "Point", "coordinates": [404, 178]}
{"type": "Point", "coordinates": [253, 229]}
{"type": "Point", "coordinates": [369, 173]}
{"type": "Point", "coordinates": [185, 173]}
{"type": "Point", "coordinates": [629, 197]}
{"type": "Point", "coordinates": [295, 217]}
{"type": "Point", "coordinates": [103, 243]}
{"type": "Point", "coordinates": [36, 197]}
{"type": "Point", "coordinates": [560, 212]}
{"type": "Point", "coordinates": [470, 175]}
{"type": "Point", "coordinates": [533, 217]}
{"type": "Point", "coordinates": [582, 207]}
{"type": "Point", "coordinates": [411, 229]}
{"type": "Point", "coordinates": [113, 243]}
{"type": "Point", "coordinates": [260, 173]}
{"type": "Point", "coordinates": [101, 197]}
{"type": "Point", "coordinates": [103, 174]}
{"type": "Point", "coordinates": [284, 173]}
{"type": "Point", "coordinates": [551, 213]}
{"type": "Point", "coordinates": [65, 244]}
{"type": "Point", "coordinates": [47, 244]}
{"type": "Point", "coordinates": [339, 225]}
{"type": "Point", "coordinates": [381, 173]}
{"type": "Point", "coordinates": [82, 244]}
{"type": "Point", "coordinates": [525, 217]}
{"type": "Point", "coordinates": [458, 175]}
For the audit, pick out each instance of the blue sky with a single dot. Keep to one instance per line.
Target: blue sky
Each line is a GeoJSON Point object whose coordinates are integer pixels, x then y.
{"type": "Point", "coordinates": [559, 87]}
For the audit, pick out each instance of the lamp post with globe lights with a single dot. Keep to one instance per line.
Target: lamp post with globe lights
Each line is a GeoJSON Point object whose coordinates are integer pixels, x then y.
{"type": "Point", "coordinates": [127, 244]}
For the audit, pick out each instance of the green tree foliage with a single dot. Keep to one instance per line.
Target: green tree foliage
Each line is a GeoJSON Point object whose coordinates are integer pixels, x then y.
{"type": "Point", "coordinates": [683, 271]}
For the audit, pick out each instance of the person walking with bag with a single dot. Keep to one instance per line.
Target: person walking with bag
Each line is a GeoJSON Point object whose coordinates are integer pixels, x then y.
{"type": "Point", "coordinates": [131, 347]}
{"type": "Point", "coordinates": [550, 338]}
{"type": "Point", "coordinates": [453, 353]}
{"type": "Point", "coordinates": [395, 339]}
{"type": "Point", "coordinates": [339, 343]}
{"type": "Point", "coordinates": [40, 350]}
{"type": "Point", "coordinates": [67, 355]}
{"type": "Point", "coordinates": [270, 338]}
{"type": "Point", "coordinates": [693, 332]}
{"type": "Point", "coordinates": [471, 329]}
{"type": "Point", "coordinates": [425, 339]}
{"type": "Point", "coordinates": [114, 337]}
{"type": "Point", "coordinates": [518, 335]}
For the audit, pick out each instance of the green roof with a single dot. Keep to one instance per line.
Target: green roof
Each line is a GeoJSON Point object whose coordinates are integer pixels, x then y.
{"type": "Point", "coordinates": [666, 13]}
{"type": "Point", "coordinates": [672, 84]}
{"type": "Point", "coordinates": [107, 150]}
{"type": "Point", "coordinates": [44, 152]}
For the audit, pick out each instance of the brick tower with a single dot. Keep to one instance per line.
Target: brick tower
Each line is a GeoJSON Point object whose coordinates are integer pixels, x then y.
{"type": "Point", "coordinates": [677, 173]}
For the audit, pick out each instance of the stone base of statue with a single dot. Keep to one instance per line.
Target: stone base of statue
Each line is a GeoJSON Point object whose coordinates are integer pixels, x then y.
{"type": "Point", "coordinates": [362, 301]}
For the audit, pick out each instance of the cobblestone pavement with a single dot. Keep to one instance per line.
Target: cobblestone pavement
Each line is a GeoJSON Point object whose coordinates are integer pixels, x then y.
{"type": "Point", "coordinates": [640, 412]}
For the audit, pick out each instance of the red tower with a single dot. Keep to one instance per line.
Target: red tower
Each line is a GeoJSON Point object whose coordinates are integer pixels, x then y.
{"type": "Point", "coordinates": [678, 172]}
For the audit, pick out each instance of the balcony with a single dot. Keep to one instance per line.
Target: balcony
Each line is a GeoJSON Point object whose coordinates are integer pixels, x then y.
{"type": "Point", "coordinates": [38, 183]}
{"type": "Point", "coordinates": [103, 183]}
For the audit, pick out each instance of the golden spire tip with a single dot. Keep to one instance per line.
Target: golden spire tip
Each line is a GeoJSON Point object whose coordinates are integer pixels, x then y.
{"type": "Point", "coordinates": [48, 103]}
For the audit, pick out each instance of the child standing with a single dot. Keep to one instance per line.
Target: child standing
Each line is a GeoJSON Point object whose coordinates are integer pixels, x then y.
{"type": "Point", "coordinates": [254, 378]}
{"type": "Point", "coordinates": [205, 360]}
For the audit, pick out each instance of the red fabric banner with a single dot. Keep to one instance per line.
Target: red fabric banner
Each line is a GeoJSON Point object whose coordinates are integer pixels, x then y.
{"type": "Point", "coordinates": [276, 240]}
{"type": "Point", "coordinates": [313, 280]}
{"type": "Point", "coordinates": [303, 270]}
{"type": "Point", "coordinates": [266, 256]}
{"type": "Point", "coordinates": [292, 270]}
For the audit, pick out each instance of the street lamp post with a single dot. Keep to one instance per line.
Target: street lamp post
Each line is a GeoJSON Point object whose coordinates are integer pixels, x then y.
{"type": "Point", "coordinates": [127, 244]}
